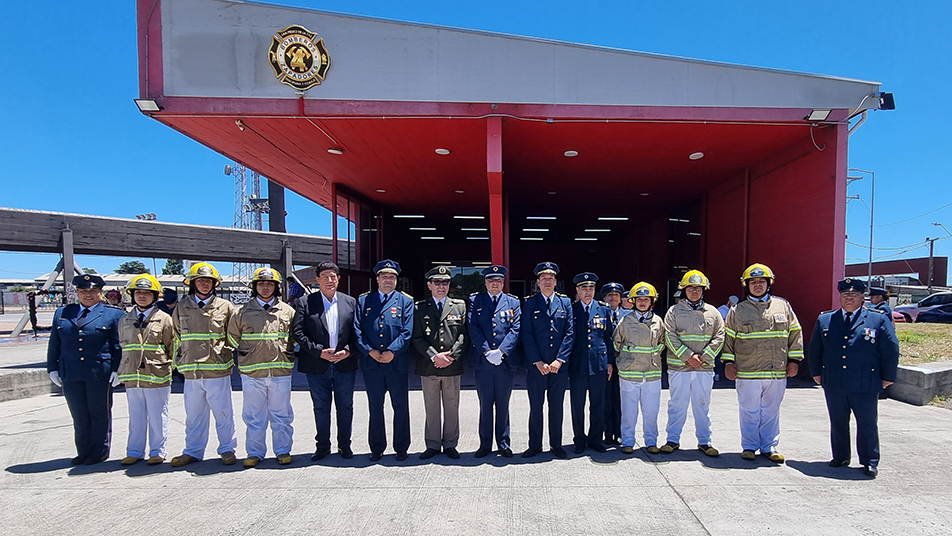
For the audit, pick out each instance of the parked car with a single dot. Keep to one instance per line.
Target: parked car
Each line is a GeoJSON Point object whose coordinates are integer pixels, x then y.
{"type": "Point", "coordinates": [912, 311]}
{"type": "Point", "coordinates": [941, 315]}
{"type": "Point", "coordinates": [897, 317]}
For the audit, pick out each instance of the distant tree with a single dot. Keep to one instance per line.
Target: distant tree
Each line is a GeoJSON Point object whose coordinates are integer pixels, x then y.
{"type": "Point", "coordinates": [173, 267]}
{"type": "Point", "coordinates": [132, 267]}
{"type": "Point", "coordinates": [89, 271]}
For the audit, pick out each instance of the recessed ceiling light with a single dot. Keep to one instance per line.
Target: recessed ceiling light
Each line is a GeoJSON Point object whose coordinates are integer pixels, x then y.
{"type": "Point", "coordinates": [613, 218]}
{"type": "Point", "coordinates": [442, 152]}
{"type": "Point", "coordinates": [598, 230]}
{"type": "Point", "coordinates": [459, 191]}
{"type": "Point", "coordinates": [441, 262]}
{"type": "Point", "coordinates": [422, 228]}
{"type": "Point", "coordinates": [570, 153]}
{"type": "Point", "coordinates": [586, 239]}
{"type": "Point", "coordinates": [694, 234]}
{"type": "Point", "coordinates": [531, 238]}
{"type": "Point", "coordinates": [539, 230]}
{"type": "Point", "coordinates": [473, 229]}
{"type": "Point", "coordinates": [477, 238]}
{"type": "Point", "coordinates": [369, 230]}
{"type": "Point", "coordinates": [380, 190]}
{"type": "Point", "coordinates": [551, 193]}
{"type": "Point", "coordinates": [335, 150]}
{"type": "Point", "coordinates": [431, 238]}
{"type": "Point", "coordinates": [696, 156]}
{"type": "Point", "coordinates": [408, 216]}
{"type": "Point", "coordinates": [540, 217]}
{"type": "Point", "coordinates": [644, 194]}
{"type": "Point", "coordinates": [469, 217]}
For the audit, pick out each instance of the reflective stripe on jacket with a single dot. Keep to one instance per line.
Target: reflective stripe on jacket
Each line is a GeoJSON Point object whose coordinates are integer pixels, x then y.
{"type": "Point", "coordinates": [688, 331]}
{"type": "Point", "coordinates": [761, 338]}
{"type": "Point", "coordinates": [639, 346]}
{"type": "Point", "coordinates": [262, 339]}
{"type": "Point", "coordinates": [203, 351]}
{"type": "Point", "coordinates": [146, 350]}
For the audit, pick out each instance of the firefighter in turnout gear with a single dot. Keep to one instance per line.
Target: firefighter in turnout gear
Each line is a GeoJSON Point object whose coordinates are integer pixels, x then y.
{"type": "Point", "coordinates": [694, 334]}
{"type": "Point", "coordinates": [260, 332]}
{"type": "Point", "coordinates": [148, 342]}
{"type": "Point", "coordinates": [205, 359]}
{"type": "Point", "coordinates": [763, 346]}
{"type": "Point", "coordinates": [639, 340]}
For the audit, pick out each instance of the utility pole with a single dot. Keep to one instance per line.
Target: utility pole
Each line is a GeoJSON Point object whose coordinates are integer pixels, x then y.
{"type": "Point", "coordinates": [931, 242]}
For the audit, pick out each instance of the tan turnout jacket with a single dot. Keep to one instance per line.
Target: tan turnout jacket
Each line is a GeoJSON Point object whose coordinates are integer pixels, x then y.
{"type": "Point", "coordinates": [761, 338]}
{"type": "Point", "coordinates": [200, 334]}
{"type": "Point", "coordinates": [689, 331]}
{"type": "Point", "coordinates": [147, 349]}
{"type": "Point", "coordinates": [639, 346]}
{"type": "Point", "coordinates": [262, 339]}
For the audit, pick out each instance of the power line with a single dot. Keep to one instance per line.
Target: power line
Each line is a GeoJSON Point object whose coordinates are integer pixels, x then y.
{"type": "Point", "coordinates": [914, 217]}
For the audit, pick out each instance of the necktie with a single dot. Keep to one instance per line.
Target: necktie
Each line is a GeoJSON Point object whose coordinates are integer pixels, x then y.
{"type": "Point", "coordinates": [495, 302]}
{"type": "Point", "coordinates": [586, 309]}
{"type": "Point", "coordinates": [615, 317]}
{"type": "Point", "coordinates": [85, 312]}
{"type": "Point", "coordinates": [266, 306]}
{"type": "Point", "coordinates": [385, 298]}
{"type": "Point", "coordinates": [849, 321]}
{"type": "Point", "coordinates": [548, 303]}
{"type": "Point", "coordinates": [201, 305]}
{"type": "Point", "coordinates": [642, 318]}
{"type": "Point", "coordinates": [141, 319]}
{"type": "Point", "coordinates": [439, 307]}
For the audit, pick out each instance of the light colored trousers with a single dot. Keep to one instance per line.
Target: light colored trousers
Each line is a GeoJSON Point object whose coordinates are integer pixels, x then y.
{"type": "Point", "coordinates": [148, 415]}
{"type": "Point", "coordinates": [267, 400]}
{"type": "Point", "coordinates": [694, 388]}
{"type": "Point", "coordinates": [648, 395]}
{"type": "Point", "coordinates": [759, 402]}
{"type": "Point", "coordinates": [441, 391]}
{"type": "Point", "coordinates": [202, 397]}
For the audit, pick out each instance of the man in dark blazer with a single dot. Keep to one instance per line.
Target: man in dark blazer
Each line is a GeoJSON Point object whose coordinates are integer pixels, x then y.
{"type": "Point", "coordinates": [854, 354]}
{"type": "Point", "coordinates": [384, 326]}
{"type": "Point", "coordinates": [494, 323]}
{"type": "Point", "coordinates": [439, 335]}
{"type": "Point", "coordinates": [547, 337]}
{"type": "Point", "coordinates": [323, 326]}
{"type": "Point", "coordinates": [593, 355]}
{"type": "Point", "coordinates": [83, 358]}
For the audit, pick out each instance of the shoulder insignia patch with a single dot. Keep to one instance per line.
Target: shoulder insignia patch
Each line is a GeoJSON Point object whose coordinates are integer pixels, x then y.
{"type": "Point", "coordinates": [405, 294]}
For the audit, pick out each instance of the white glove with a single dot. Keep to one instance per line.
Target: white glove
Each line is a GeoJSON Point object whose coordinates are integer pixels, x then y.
{"type": "Point", "coordinates": [55, 378]}
{"type": "Point", "coordinates": [114, 379]}
{"type": "Point", "coordinates": [494, 357]}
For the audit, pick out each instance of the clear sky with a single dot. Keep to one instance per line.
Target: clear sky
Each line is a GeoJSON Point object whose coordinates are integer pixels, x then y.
{"type": "Point", "coordinates": [72, 140]}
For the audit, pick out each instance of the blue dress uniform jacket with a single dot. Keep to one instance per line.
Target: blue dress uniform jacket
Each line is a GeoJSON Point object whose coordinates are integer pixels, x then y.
{"type": "Point", "coordinates": [494, 329]}
{"type": "Point", "coordinates": [85, 351]}
{"type": "Point", "coordinates": [386, 326]}
{"type": "Point", "coordinates": [593, 350]}
{"type": "Point", "coordinates": [885, 309]}
{"type": "Point", "coordinates": [547, 335]}
{"type": "Point", "coordinates": [853, 361]}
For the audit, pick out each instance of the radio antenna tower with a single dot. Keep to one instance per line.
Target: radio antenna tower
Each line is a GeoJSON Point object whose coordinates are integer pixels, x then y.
{"type": "Point", "coordinates": [249, 210]}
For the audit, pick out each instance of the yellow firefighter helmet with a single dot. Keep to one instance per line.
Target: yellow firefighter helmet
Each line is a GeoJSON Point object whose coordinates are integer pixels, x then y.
{"type": "Point", "coordinates": [202, 269]}
{"type": "Point", "coordinates": [694, 278]}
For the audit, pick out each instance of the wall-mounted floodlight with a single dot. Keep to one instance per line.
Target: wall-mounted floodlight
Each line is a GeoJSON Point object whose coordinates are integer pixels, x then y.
{"type": "Point", "coordinates": [147, 105]}
{"type": "Point", "coordinates": [818, 115]}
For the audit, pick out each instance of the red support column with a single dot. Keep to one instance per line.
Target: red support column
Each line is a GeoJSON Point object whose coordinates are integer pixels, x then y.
{"type": "Point", "coordinates": [494, 175]}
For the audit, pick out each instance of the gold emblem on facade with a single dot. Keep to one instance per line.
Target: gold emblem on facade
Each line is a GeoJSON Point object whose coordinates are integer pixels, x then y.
{"type": "Point", "coordinates": [298, 57]}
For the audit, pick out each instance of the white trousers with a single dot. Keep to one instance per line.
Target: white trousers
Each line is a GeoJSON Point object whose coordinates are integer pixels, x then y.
{"type": "Point", "coordinates": [148, 415]}
{"type": "Point", "coordinates": [202, 397]}
{"type": "Point", "coordinates": [267, 400]}
{"type": "Point", "coordinates": [693, 387]}
{"type": "Point", "coordinates": [648, 394]}
{"type": "Point", "coordinates": [759, 402]}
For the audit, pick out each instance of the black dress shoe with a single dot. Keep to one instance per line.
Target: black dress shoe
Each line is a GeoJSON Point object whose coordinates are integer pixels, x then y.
{"type": "Point", "coordinates": [559, 452]}
{"type": "Point", "coordinates": [839, 463]}
{"type": "Point", "coordinates": [530, 452]}
{"type": "Point", "coordinates": [320, 455]}
{"type": "Point", "coordinates": [579, 449]}
{"type": "Point", "coordinates": [599, 448]}
{"type": "Point", "coordinates": [452, 453]}
{"type": "Point", "coordinates": [505, 453]}
{"type": "Point", "coordinates": [375, 456]}
{"type": "Point", "coordinates": [346, 453]}
{"type": "Point", "coordinates": [870, 471]}
{"type": "Point", "coordinates": [93, 460]}
{"type": "Point", "coordinates": [482, 453]}
{"type": "Point", "coordinates": [78, 460]}
{"type": "Point", "coordinates": [401, 456]}
{"type": "Point", "coordinates": [427, 454]}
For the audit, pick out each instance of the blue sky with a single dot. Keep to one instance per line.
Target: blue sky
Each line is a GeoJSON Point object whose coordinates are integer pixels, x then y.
{"type": "Point", "coordinates": [73, 141]}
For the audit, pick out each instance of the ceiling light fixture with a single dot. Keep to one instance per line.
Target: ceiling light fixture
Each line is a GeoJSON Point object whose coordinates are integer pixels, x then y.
{"type": "Point", "coordinates": [598, 230]}
{"type": "Point", "coordinates": [551, 193]}
{"type": "Point", "coordinates": [469, 217]}
{"type": "Point", "coordinates": [431, 238]}
{"type": "Point", "coordinates": [570, 153]}
{"type": "Point", "coordinates": [406, 216]}
{"type": "Point", "coordinates": [473, 229]}
{"type": "Point", "coordinates": [147, 105]}
{"type": "Point", "coordinates": [336, 150]}
{"type": "Point", "coordinates": [540, 217]}
{"type": "Point", "coordinates": [644, 194]}
{"type": "Point", "coordinates": [539, 230]}
{"type": "Point", "coordinates": [531, 238]}
{"type": "Point", "coordinates": [696, 156]}
{"type": "Point", "coordinates": [459, 191]}
{"type": "Point", "coordinates": [613, 218]}
{"type": "Point", "coordinates": [422, 228]}
{"type": "Point", "coordinates": [477, 238]}
{"type": "Point", "coordinates": [586, 239]}
{"type": "Point", "coordinates": [442, 152]}
{"type": "Point", "coordinates": [381, 191]}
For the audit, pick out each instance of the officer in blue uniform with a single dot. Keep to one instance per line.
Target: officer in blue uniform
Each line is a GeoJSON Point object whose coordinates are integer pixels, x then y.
{"type": "Point", "coordinates": [547, 337]}
{"type": "Point", "coordinates": [854, 355]}
{"type": "Point", "coordinates": [83, 358]}
{"type": "Point", "coordinates": [593, 356]}
{"type": "Point", "coordinates": [613, 294]}
{"type": "Point", "coordinates": [494, 323]}
{"type": "Point", "coordinates": [383, 324]}
{"type": "Point", "coordinates": [879, 299]}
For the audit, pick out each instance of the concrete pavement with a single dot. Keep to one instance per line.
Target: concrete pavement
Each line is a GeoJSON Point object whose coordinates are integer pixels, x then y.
{"type": "Point", "coordinates": [682, 493]}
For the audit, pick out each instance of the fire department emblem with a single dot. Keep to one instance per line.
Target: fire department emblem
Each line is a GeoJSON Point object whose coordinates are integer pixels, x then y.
{"type": "Point", "coordinates": [298, 57]}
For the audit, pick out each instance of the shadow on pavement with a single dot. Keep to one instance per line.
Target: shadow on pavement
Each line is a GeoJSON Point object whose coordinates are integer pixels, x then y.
{"type": "Point", "coordinates": [823, 470]}
{"type": "Point", "coordinates": [39, 467]}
